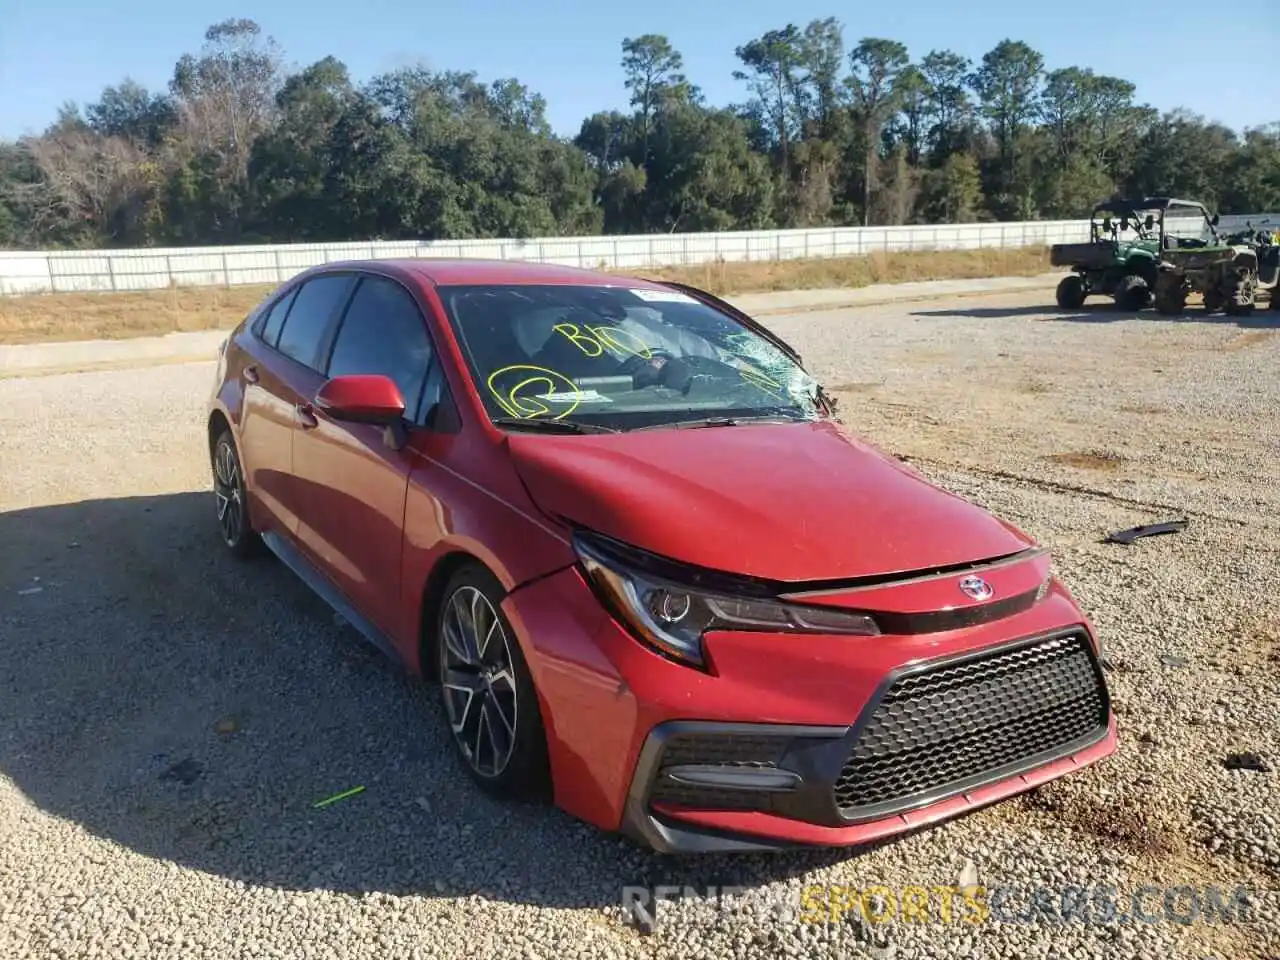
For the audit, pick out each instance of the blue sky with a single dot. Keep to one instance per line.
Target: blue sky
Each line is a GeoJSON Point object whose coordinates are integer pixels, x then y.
{"type": "Point", "coordinates": [57, 50]}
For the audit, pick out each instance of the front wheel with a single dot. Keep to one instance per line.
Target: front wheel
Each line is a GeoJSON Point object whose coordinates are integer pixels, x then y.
{"type": "Point", "coordinates": [1071, 292]}
{"type": "Point", "coordinates": [231, 500]}
{"type": "Point", "coordinates": [487, 690]}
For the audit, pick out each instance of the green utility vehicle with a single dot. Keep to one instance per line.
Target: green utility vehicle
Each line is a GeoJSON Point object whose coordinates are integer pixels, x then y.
{"type": "Point", "coordinates": [1123, 255]}
{"type": "Point", "coordinates": [1228, 271]}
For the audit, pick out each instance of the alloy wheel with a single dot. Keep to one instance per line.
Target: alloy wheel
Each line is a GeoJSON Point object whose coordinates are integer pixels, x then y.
{"type": "Point", "coordinates": [478, 681]}
{"type": "Point", "coordinates": [228, 491]}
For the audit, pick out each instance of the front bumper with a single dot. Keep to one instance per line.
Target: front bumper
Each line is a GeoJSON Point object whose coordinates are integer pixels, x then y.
{"type": "Point", "coordinates": [833, 742]}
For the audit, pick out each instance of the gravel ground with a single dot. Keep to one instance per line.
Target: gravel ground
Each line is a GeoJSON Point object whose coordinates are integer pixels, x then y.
{"type": "Point", "coordinates": [168, 717]}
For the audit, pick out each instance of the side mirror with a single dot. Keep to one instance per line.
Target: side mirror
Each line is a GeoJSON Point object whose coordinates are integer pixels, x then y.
{"type": "Point", "coordinates": [362, 398]}
{"type": "Point", "coordinates": [1214, 221]}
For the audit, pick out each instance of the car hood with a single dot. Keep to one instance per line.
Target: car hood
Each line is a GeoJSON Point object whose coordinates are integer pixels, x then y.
{"type": "Point", "coordinates": [789, 502]}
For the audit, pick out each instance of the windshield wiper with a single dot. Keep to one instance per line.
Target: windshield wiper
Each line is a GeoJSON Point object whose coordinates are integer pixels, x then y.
{"type": "Point", "coordinates": [705, 422]}
{"type": "Point", "coordinates": [552, 426]}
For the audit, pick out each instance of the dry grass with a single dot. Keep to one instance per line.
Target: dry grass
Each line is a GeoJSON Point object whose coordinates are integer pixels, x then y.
{"type": "Point", "coordinates": [117, 316]}
{"type": "Point", "coordinates": [113, 316]}
{"type": "Point", "coordinates": [830, 273]}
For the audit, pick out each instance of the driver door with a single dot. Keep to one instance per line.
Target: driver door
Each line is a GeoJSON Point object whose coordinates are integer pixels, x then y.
{"type": "Point", "coordinates": [352, 485]}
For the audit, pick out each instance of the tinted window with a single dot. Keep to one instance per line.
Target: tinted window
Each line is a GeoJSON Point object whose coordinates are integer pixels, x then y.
{"type": "Point", "coordinates": [275, 318]}
{"type": "Point", "coordinates": [384, 332]}
{"type": "Point", "coordinates": [313, 308]}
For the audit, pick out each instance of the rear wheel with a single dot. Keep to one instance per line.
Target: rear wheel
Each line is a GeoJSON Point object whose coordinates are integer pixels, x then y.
{"type": "Point", "coordinates": [487, 690]}
{"type": "Point", "coordinates": [231, 500]}
{"type": "Point", "coordinates": [1071, 292]}
{"type": "Point", "coordinates": [1132, 293]}
{"type": "Point", "coordinates": [1171, 297]}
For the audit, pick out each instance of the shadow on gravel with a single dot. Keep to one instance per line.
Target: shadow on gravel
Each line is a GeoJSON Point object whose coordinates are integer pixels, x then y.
{"type": "Point", "coordinates": [192, 708]}
{"type": "Point", "coordinates": [1105, 312]}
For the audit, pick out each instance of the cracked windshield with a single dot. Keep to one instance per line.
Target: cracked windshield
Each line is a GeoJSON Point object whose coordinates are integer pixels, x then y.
{"type": "Point", "coordinates": [620, 358]}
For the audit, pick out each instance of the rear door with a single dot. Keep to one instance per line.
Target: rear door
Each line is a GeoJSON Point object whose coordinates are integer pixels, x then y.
{"type": "Point", "coordinates": [353, 485]}
{"type": "Point", "coordinates": [278, 387]}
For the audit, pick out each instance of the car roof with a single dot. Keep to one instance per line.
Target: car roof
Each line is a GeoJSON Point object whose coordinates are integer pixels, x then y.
{"type": "Point", "coordinates": [442, 271]}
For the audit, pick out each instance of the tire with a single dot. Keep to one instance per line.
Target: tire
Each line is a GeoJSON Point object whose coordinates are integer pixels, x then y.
{"type": "Point", "coordinates": [1240, 298]}
{"type": "Point", "coordinates": [1132, 293]}
{"type": "Point", "coordinates": [490, 667]}
{"type": "Point", "coordinates": [1275, 298]}
{"type": "Point", "coordinates": [1171, 299]}
{"type": "Point", "coordinates": [1070, 292]}
{"type": "Point", "coordinates": [1214, 302]}
{"type": "Point", "coordinates": [231, 500]}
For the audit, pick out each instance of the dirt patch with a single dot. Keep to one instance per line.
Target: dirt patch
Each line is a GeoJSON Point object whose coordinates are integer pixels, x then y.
{"type": "Point", "coordinates": [1251, 339]}
{"type": "Point", "coordinates": [1034, 387]}
{"type": "Point", "coordinates": [1141, 409]}
{"type": "Point", "coordinates": [1111, 821]}
{"type": "Point", "coordinates": [48, 317]}
{"type": "Point", "coordinates": [1087, 460]}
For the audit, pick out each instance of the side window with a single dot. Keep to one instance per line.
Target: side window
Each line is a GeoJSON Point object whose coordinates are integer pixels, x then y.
{"type": "Point", "coordinates": [313, 307]}
{"type": "Point", "coordinates": [384, 332]}
{"type": "Point", "coordinates": [270, 331]}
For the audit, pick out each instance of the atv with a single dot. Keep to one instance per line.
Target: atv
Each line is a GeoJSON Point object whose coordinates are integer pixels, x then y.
{"type": "Point", "coordinates": [1228, 271]}
{"type": "Point", "coordinates": [1120, 258]}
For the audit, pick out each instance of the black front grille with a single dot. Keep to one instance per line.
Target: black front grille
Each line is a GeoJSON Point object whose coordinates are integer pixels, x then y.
{"type": "Point", "coordinates": [942, 729]}
{"type": "Point", "coordinates": [732, 750]}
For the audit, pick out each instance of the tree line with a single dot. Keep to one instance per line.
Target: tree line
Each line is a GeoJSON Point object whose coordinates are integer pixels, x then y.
{"type": "Point", "coordinates": [240, 150]}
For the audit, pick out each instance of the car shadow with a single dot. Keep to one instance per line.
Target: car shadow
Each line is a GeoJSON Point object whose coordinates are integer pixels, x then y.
{"type": "Point", "coordinates": [1263, 318]}
{"type": "Point", "coordinates": [194, 708]}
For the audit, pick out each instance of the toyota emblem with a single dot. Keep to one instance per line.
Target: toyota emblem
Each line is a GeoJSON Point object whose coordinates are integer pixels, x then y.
{"type": "Point", "coordinates": [975, 588]}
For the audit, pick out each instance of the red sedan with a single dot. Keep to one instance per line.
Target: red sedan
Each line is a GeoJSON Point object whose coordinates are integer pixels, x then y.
{"type": "Point", "coordinates": [654, 577]}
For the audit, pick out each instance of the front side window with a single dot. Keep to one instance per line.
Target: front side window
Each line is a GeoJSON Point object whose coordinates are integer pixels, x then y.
{"type": "Point", "coordinates": [619, 357]}
{"type": "Point", "coordinates": [384, 332]}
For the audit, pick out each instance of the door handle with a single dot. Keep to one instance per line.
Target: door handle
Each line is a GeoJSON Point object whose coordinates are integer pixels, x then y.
{"type": "Point", "coordinates": [306, 416]}
{"type": "Point", "coordinates": [251, 374]}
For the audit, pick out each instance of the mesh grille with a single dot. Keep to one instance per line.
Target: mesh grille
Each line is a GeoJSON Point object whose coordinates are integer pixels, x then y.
{"type": "Point", "coordinates": [944, 727]}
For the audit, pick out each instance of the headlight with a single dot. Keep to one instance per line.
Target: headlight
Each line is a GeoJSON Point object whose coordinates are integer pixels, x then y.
{"type": "Point", "coordinates": [672, 617]}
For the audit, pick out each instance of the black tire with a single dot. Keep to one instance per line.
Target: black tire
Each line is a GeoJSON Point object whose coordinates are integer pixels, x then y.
{"type": "Point", "coordinates": [1132, 293]}
{"type": "Point", "coordinates": [1071, 292]}
{"type": "Point", "coordinates": [1214, 302]}
{"type": "Point", "coordinates": [1275, 298]}
{"type": "Point", "coordinates": [231, 499]}
{"type": "Point", "coordinates": [1171, 299]}
{"type": "Point", "coordinates": [507, 708]}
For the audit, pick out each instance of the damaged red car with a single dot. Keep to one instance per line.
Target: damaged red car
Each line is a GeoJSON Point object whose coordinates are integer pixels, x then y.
{"type": "Point", "coordinates": [654, 577]}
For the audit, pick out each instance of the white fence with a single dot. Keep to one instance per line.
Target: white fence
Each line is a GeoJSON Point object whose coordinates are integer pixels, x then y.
{"type": "Point", "coordinates": [149, 269]}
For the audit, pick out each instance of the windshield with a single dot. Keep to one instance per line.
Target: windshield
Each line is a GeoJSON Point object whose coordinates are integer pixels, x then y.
{"type": "Point", "coordinates": [619, 358]}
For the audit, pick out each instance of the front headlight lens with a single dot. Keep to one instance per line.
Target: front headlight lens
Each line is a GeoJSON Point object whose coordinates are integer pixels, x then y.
{"type": "Point", "coordinates": [673, 618]}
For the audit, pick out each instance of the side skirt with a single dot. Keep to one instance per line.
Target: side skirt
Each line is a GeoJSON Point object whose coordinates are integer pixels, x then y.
{"type": "Point", "coordinates": [323, 587]}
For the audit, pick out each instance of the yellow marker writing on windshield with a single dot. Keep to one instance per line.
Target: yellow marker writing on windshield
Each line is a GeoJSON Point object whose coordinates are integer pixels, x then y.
{"type": "Point", "coordinates": [593, 341]}
{"type": "Point", "coordinates": [529, 406]}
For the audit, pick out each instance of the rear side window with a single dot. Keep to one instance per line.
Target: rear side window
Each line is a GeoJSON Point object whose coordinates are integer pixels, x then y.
{"type": "Point", "coordinates": [384, 332]}
{"type": "Point", "coordinates": [313, 308]}
{"type": "Point", "coordinates": [275, 318]}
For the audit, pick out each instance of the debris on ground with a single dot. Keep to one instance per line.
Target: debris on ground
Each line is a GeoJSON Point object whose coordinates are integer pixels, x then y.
{"type": "Point", "coordinates": [1146, 530]}
{"type": "Point", "coordinates": [336, 797]}
{"type": "Point", "coordinates": [1246, 761]}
